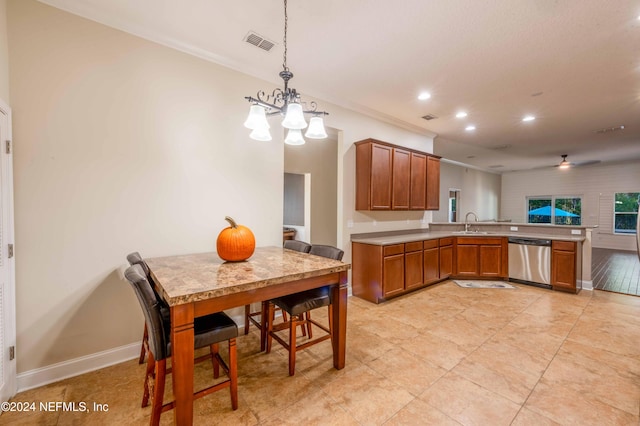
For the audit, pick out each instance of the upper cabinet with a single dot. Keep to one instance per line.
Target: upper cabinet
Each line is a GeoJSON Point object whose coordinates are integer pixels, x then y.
{"type": "Point", "coordinates": [390, 177]}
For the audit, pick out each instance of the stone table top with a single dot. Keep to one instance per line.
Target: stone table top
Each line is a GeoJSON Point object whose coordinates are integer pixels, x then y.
{"type": "Point", "coordinates": [194, 277]}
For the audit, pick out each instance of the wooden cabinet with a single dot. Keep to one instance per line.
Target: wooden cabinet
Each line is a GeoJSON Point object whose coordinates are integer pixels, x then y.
{"type": "Point", "coordinates": [418, 189]}
{"type": "Point", "coordinates": [433, 184]}
{"type": "Point", "coordinates": [393, 267]}
{"type": "Point", "coordinates": [391, 177]}
{"type": "Point", "coordinates": [446, 257]}
{"type": "Point", "coordinates": [563, 265]}
{"type": "Point", "coordinates": [382, 272]}
{"type": "Point", "coordinates": [431, 256]}
{"type": "Point", "coordinates": [413, 268]}
{"type": "Point", "coordinates": [401, 182]}
{"type": "Point", "coordinates": [374, 163]}
{"type": "Point", "coordinates": [481, 257]}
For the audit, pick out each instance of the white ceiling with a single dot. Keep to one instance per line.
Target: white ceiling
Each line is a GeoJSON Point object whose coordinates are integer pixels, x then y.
{"type": "Point", "coordinates": [486, 57]}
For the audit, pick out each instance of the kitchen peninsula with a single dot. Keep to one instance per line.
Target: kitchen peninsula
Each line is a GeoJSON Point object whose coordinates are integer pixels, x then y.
{"type": "Point", "coordinates": [388, 264]}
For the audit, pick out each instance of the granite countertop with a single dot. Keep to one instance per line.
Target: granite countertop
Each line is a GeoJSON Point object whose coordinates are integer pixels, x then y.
{"type": "Point", "coordinates": [195, 277]}
{"type": "Point", "coordinates": [382, 240]}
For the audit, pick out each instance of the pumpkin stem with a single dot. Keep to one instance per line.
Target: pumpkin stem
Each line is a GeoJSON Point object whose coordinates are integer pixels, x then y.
{"type": "Point", "coordinates": [231, 222]}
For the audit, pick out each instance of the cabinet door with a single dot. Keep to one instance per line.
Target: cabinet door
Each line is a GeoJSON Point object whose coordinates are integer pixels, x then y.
{"type": "Point", "coordinates": [433, 183]}
{"type": "Point", "coordinates": [563, 265]}
{"type": "Point", "coordinates": [413, 269]}
{"type": "Point", "coordinates": [431, 262]}
{"type": "Point", "coordinates": [467, 260]}
{"type": "Point", "coordinates": [381, 166]}
{"type": "Point", "coordinates": [490, 260]}
{"type": "Point", "coordinates": [393, 276]}
{"type": "Point", "coordinates": [401, 179]}
{"type": "Point", "coordinates": [446, 261]}
{"type": "Point", "coordinates": [418, 191]}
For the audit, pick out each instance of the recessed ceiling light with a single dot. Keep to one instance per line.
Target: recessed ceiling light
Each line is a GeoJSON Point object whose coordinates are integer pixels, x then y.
{"type": "Point", "coordinates": [461, 114]}
{"type": "Point", "coordinates": [528, 118]}
{"type": "Point", "coordinates": [424, 96]}
{"type": "Point", "coordinates": [470, 128]}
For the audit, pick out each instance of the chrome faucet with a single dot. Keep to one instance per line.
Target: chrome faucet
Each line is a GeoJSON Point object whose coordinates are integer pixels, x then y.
{"type": "Point", "coordinates": [466, 220]}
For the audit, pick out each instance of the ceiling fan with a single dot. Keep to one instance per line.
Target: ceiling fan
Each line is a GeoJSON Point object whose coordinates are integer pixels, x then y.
{"type": "Point", "coordinates": [564, 164]}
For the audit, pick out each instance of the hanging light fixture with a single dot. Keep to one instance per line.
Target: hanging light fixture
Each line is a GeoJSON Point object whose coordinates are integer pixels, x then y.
{"type": "Point", "coordinates": [286, 102]}
{"type": "Point", "coordinates": [564, 164]}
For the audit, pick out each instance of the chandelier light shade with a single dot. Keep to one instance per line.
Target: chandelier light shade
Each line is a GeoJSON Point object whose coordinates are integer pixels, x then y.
{"type": "Point", "coordinates": [286, 102]}
{"type": "Point", "coordinates": [316, 129]}
{"type": "Point", "coordinates": [257, 118]}
{"type": "Point", "coordinates": [294, 118]}
{"type": "Point", "coordinates": [260, 135]}
{"type": "Point", "coordinates": [294, 137]}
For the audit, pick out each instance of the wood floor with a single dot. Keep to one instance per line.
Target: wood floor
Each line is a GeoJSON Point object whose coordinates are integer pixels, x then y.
{"type": "Point", "coordinates": [616, 270]}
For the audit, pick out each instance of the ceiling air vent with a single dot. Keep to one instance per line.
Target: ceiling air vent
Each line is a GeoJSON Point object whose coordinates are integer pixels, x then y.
{"type": "Point", "coordinates": [259, 41]}
{"type": "Point", "coordinates": [610, 129]}
{"type": "Point", "coordinates": [429, 117]}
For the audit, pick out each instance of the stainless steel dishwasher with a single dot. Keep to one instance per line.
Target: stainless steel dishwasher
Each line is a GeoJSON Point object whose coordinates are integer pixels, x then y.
{"type": "Point", "coordinates": [530, 261]}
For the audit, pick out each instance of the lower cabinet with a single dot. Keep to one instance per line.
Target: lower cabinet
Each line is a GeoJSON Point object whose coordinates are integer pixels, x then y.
{"type": "Point", "coordinates": [431, 264]}
{"type": "Point", "coordinates": [481, 257]}
{"type": "Point", "coordinates": [446, 257]}
{"type": "Point", "coordinates": [413, 267]}
{"type": "Point", "coordinates": [564, 265]}
{"type": "Point", "coordinates": [382, 272]}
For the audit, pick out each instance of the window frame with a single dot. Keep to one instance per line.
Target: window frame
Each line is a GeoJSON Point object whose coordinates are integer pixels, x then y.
{"type": "Point", "coordinates": [615, 213]}
{"type": "Point", "coordinates": [552, 218]}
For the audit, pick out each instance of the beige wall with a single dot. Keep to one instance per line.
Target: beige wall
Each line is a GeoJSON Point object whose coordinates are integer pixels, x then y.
{"type": "Point", "coordinates": [320, 159]}
{"type": "Point", "coordinates": [596, 185]}
{"type": "Point", "coordinates": [121, 145]}
{"type": "Point", "coordinates": [4, 54]}
{"type": "Point", "coordinates": [479, 192]}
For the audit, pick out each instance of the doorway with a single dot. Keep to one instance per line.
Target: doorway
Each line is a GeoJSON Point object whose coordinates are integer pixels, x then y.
{"type": "Point", "coordinates": [454, 203]}
{"type": "Point", "coordinates": [317, 160]}
{"type": "Point", "coordinates": [8, 382]}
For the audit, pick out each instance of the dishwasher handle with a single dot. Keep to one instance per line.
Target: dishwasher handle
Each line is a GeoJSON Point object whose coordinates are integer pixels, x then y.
{"type": "Point", "coordinates": [529, 241]}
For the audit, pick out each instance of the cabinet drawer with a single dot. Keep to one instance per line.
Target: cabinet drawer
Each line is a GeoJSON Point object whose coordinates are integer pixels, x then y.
{"type": "Point", "coordinates": [446, 241]}
{"type": "Point", "coordinates": [413, 246]}
{"type": "Point", "coordinates": [564, 245]}
{"type": "Point", "coordinates": [478, 240]}
{"type": "Point", "coordinates": [430, 244]}
{"type": "Point", "coordinates": [394, 249]}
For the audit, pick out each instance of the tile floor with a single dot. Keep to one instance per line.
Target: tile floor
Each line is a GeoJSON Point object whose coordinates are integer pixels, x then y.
{"type": "Point", "coordinates": [444, 355]}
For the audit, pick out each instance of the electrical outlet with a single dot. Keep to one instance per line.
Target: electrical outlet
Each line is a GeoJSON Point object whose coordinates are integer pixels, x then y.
{"type": "Point", "coordinates": [576, 232]}
{"type": "Point", "coordinates": [349, 223]}
{"type": "Point", "coordinates": [375, 223]}
{"type": "Point", "coordinates": [514, 228]}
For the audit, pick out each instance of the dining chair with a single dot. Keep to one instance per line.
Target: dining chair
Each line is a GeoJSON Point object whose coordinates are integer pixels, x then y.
{"type": "Point", "coordinates": [254, 317]}
{"type": "Point", "coordinates": [209, 331]}
{"type": "Point", "coordinates": [136, 259]}
{"type": "Point", "coordinates": [299, 306]}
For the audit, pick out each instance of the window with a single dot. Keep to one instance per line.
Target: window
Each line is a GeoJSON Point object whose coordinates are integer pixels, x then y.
{"type": "Point", "coordinates": [558, 210]}
{"type": "Point", "coordinates": [625, 212]}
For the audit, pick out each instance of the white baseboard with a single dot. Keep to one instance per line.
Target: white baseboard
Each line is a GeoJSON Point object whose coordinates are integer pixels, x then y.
{"type": "Point", "coordinates": [74, 367]}
{"type": "Point", "coordinates": [587, 285]}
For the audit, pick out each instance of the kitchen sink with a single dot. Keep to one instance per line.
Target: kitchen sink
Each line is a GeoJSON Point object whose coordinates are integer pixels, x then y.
{"type": "Point", "coordinates": [471, 232]}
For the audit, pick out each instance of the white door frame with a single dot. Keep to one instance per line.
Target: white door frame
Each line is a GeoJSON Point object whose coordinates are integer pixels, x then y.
{"type": "Point", "coordinates": [8, 382]}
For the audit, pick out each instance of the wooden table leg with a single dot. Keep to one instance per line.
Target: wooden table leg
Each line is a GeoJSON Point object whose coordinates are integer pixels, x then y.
{"type": "Point", "coordinates": [263, 325]}
{"type": "Point", "coordinates": [339, 313]}
{"type": "Point", "coordinates": [182, 362]}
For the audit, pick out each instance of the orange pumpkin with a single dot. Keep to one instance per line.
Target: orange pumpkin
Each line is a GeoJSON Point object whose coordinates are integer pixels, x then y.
{"type": "Point", "coordinates": [236, 242]}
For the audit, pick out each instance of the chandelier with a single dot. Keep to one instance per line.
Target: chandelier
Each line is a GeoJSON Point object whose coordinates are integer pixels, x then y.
{"type": "Point", "coordinates": [285, 102]}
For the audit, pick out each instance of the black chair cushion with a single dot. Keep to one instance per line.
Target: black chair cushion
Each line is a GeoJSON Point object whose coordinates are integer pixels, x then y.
{"type": "Point", "coordinates": [298, 303]}
{"type": "Point", "coordinates": [211, 329]}
{"type": "Point", "coordinates": [326, 251]}
{"type": "Point", "coordinates": [296, 245]}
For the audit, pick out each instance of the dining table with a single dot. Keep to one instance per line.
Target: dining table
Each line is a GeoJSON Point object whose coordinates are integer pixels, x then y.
{"type": "Point", "coordinates": [199, 284]}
